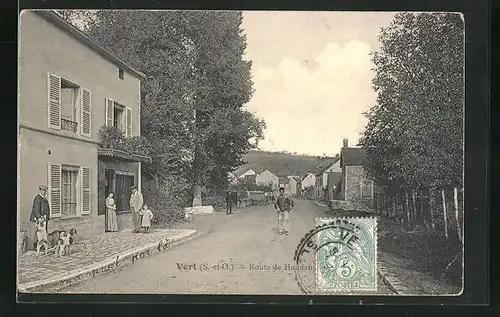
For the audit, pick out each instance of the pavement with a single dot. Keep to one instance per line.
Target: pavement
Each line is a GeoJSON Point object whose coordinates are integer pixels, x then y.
{"type": "Point", "coordinates": [92, 257]}
{"type": "Point", "coordinates": [230, 256]}
{"type": "Point", "coordinates": [219, 254]}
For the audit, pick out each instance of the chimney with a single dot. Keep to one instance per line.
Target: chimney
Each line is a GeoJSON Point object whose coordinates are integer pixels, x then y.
{"type": "Point", "coordinates": [346, 143]}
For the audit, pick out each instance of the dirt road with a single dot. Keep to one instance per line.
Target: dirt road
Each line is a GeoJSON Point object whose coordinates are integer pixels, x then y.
{"type": "Point", "coordinates": [235, 255]}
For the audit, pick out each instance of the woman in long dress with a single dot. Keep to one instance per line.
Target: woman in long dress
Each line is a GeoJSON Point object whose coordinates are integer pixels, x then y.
{"type": "Point", "coordinates": [112, 221]}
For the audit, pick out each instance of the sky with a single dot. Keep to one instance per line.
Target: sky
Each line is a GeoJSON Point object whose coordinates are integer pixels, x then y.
{"type": "Point", "coordinates": [312, 75]}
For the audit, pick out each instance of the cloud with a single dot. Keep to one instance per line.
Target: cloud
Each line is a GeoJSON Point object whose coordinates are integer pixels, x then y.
{"type": "Point", "coordinates": [309, 107]}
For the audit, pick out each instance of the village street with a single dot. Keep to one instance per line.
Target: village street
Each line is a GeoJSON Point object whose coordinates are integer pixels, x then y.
{"type": "Point", "coordinates": [243, 239]}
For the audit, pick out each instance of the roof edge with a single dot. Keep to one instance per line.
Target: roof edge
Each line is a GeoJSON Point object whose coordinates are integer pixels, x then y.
{"type": "Point", "coordinates": [54, 18]}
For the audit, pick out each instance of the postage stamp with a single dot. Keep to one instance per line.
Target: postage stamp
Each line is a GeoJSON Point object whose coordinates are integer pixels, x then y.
{"type": "Point", "coordinates": [343, 251]}
{"type": "Point", "coordinates": [346, 257]}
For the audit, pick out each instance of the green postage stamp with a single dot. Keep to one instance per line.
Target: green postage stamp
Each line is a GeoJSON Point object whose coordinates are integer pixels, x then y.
{"type": "Point", "coordinates": [346, 255]}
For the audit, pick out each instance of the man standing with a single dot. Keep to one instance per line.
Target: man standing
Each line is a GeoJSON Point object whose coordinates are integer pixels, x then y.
{"type": "Point", "coordinates": [136, 202]}
{"type": "Point", "coordinates": [229, 202]}
{"type": "Point", "coordinates": [41, 209]}
{"type": "Point", "coordinates": [283, 206]}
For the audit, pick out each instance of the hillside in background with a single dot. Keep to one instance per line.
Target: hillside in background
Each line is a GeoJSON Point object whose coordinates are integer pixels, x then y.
{"type": "Point", "coordinates": [282, 164]}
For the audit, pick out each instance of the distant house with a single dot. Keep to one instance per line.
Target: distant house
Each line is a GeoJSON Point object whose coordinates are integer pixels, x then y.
{"type": "Point", "coordinates": [283, 182]}
{"type": "Point", "coordinates": [321, 175]}
{"type": "Point", "coordinates": [333, 185]}
{"type": "Point", "coordinates": [355, 185]}
{"type": "Point", "coordinates": [248, 172]}
{"type": "Point", "coordinates": [267, 177]}
{"type": "Point", "coordinates": [294, 185]}
{"type": "Point", "coordinates": [308, 180]}
{"type": "Point", "coordinates": [231, 177]}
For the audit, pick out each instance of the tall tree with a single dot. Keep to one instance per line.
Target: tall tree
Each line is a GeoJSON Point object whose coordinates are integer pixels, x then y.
{"type": "Point", "coordinates": [414, 136]}
{"type": "Point", "coordinates": [197, 83]}
{"type": "Point", "coordinates": [223, 129]}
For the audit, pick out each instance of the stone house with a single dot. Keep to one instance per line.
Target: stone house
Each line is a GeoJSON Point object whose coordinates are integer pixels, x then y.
{"type": "Point", "coordinates": [355, 185]}
{"type": "Point", "coordinates": [69, 87]}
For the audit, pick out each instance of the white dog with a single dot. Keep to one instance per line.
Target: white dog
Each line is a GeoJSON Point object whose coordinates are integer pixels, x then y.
{"type": "Point", "coordinates": [41, 236]}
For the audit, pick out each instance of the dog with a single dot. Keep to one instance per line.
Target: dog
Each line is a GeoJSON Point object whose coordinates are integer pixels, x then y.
{"type": "Point", "coordinates": [61, 240]}
{"type": "Point", "coordinates": [41, 236]}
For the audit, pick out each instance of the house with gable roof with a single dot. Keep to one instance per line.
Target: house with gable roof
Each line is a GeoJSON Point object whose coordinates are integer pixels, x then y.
{"type": "Point", "coordinates": [321, 174]}
{"type": "Point", "coordinates": [267, 177]}
{"type": "Point", "coordinates": [69, 87]}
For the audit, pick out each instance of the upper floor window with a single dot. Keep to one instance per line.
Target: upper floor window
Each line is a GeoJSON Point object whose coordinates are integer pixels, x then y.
{"type": "Point", "coordinates": [120, 74]}
{"type": "Point", "coordinates": [69, 106]}
{"type": "Point", "coordinates": [70, 94]}
{"type": "Point", "coordinates": [119, 116]}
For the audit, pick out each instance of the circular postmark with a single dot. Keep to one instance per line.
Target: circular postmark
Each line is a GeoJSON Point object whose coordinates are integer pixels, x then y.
{"type": "Point", "coordinates": [343, 253]}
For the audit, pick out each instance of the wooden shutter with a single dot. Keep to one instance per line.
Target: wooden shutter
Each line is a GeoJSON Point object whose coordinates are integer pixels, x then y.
{"type": "Point", "coordinates": [86, 113]}
{"type": "Point", "coordinates": [110, 107]}
{"type": "Point", "coordinates": [129, 122]}
{"type": "Point", "coordinates": [54, 101]}
{"type": "Point", "coordinates": [54, 194]}
{"type": "Point", "coordinates": [85, 191]}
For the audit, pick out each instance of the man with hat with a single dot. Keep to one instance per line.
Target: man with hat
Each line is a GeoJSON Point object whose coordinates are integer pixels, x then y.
{"type": "Point", "coordinates": [136, 203]}
{"type": "Point", "coordinates": [41, 208]}
{"type": "Point", "coordinates": [283, 205]}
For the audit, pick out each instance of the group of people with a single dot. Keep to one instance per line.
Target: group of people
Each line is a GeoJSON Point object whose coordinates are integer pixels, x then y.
{"type": "Point", "coordinates": [283, 204]}
{"type": "Point", "coordinates": [141, 214]}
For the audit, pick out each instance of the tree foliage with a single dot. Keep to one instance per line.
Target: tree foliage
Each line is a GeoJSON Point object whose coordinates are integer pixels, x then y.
{"type": "Point", "coordinates": [223, 129]}
{"type": "Point", "coordinates": [197, 83]}
{"type": "Point", "coordinates": [414, 136]}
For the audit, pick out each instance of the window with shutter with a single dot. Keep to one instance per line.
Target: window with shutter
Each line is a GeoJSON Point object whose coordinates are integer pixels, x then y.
{"type": "Point", "coordinates": [86, 113]}
{"type": "Point", "coordinates": [85, 191]}
{"type": "Point", "coordinates": [129, 122]}
{"type": "Point", "coordinates": [54, 194]}
{"type": "Point", "coordinates": [54, 101]}
{"type": "Point", "coordinates": [109, 112]}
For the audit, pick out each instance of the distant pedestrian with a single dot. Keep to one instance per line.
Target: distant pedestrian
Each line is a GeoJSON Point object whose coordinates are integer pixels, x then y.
{"type": "Point", "coordinates": [229, 202]}
{"type": "Point", "coordinates": [136, 203]}
{"type": "Point", "coordinates": [283, 204]}
{"type": "Point", "coordinates": [41, 209]}
{"type": "Point", "coordinates": [147, 215]}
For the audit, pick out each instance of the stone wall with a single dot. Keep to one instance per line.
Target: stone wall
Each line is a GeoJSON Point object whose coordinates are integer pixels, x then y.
{"type": "Point", "coordinates": [336, 205]}
{"type": "Point", "coordinates": [356, 182]}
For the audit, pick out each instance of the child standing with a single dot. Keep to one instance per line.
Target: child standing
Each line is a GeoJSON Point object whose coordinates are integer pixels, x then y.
{"type": "Point", "coordinates": [147, 215]}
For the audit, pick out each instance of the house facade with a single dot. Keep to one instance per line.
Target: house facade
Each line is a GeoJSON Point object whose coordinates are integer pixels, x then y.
{"type": "Point", "coordinates": [294, 185]}
{"type": "Point", "coordinates": [333, 185]}
{"type": "Point", "coordinates": [321, 176]}
{"type": "Point", "coordinates": [308, 180]}
{"type": "Point", "coordinates": [267, 178]}
{"type": "Point", "coordinates": [249, 172]}
{"type": "Point", "coordinates": [283, 183]}
{"type": "Point", "coordinates": [355, 185]}
{"type": "Point", "coordinates": [63, 102]}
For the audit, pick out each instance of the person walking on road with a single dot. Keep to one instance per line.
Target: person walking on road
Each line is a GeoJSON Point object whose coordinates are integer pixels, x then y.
{"type": "Point", "coordinates": [136, 203]}
{"type": "Point", "coordinates": [283, 205]}
{"type": "Point", "coordinates": [229, 202]}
